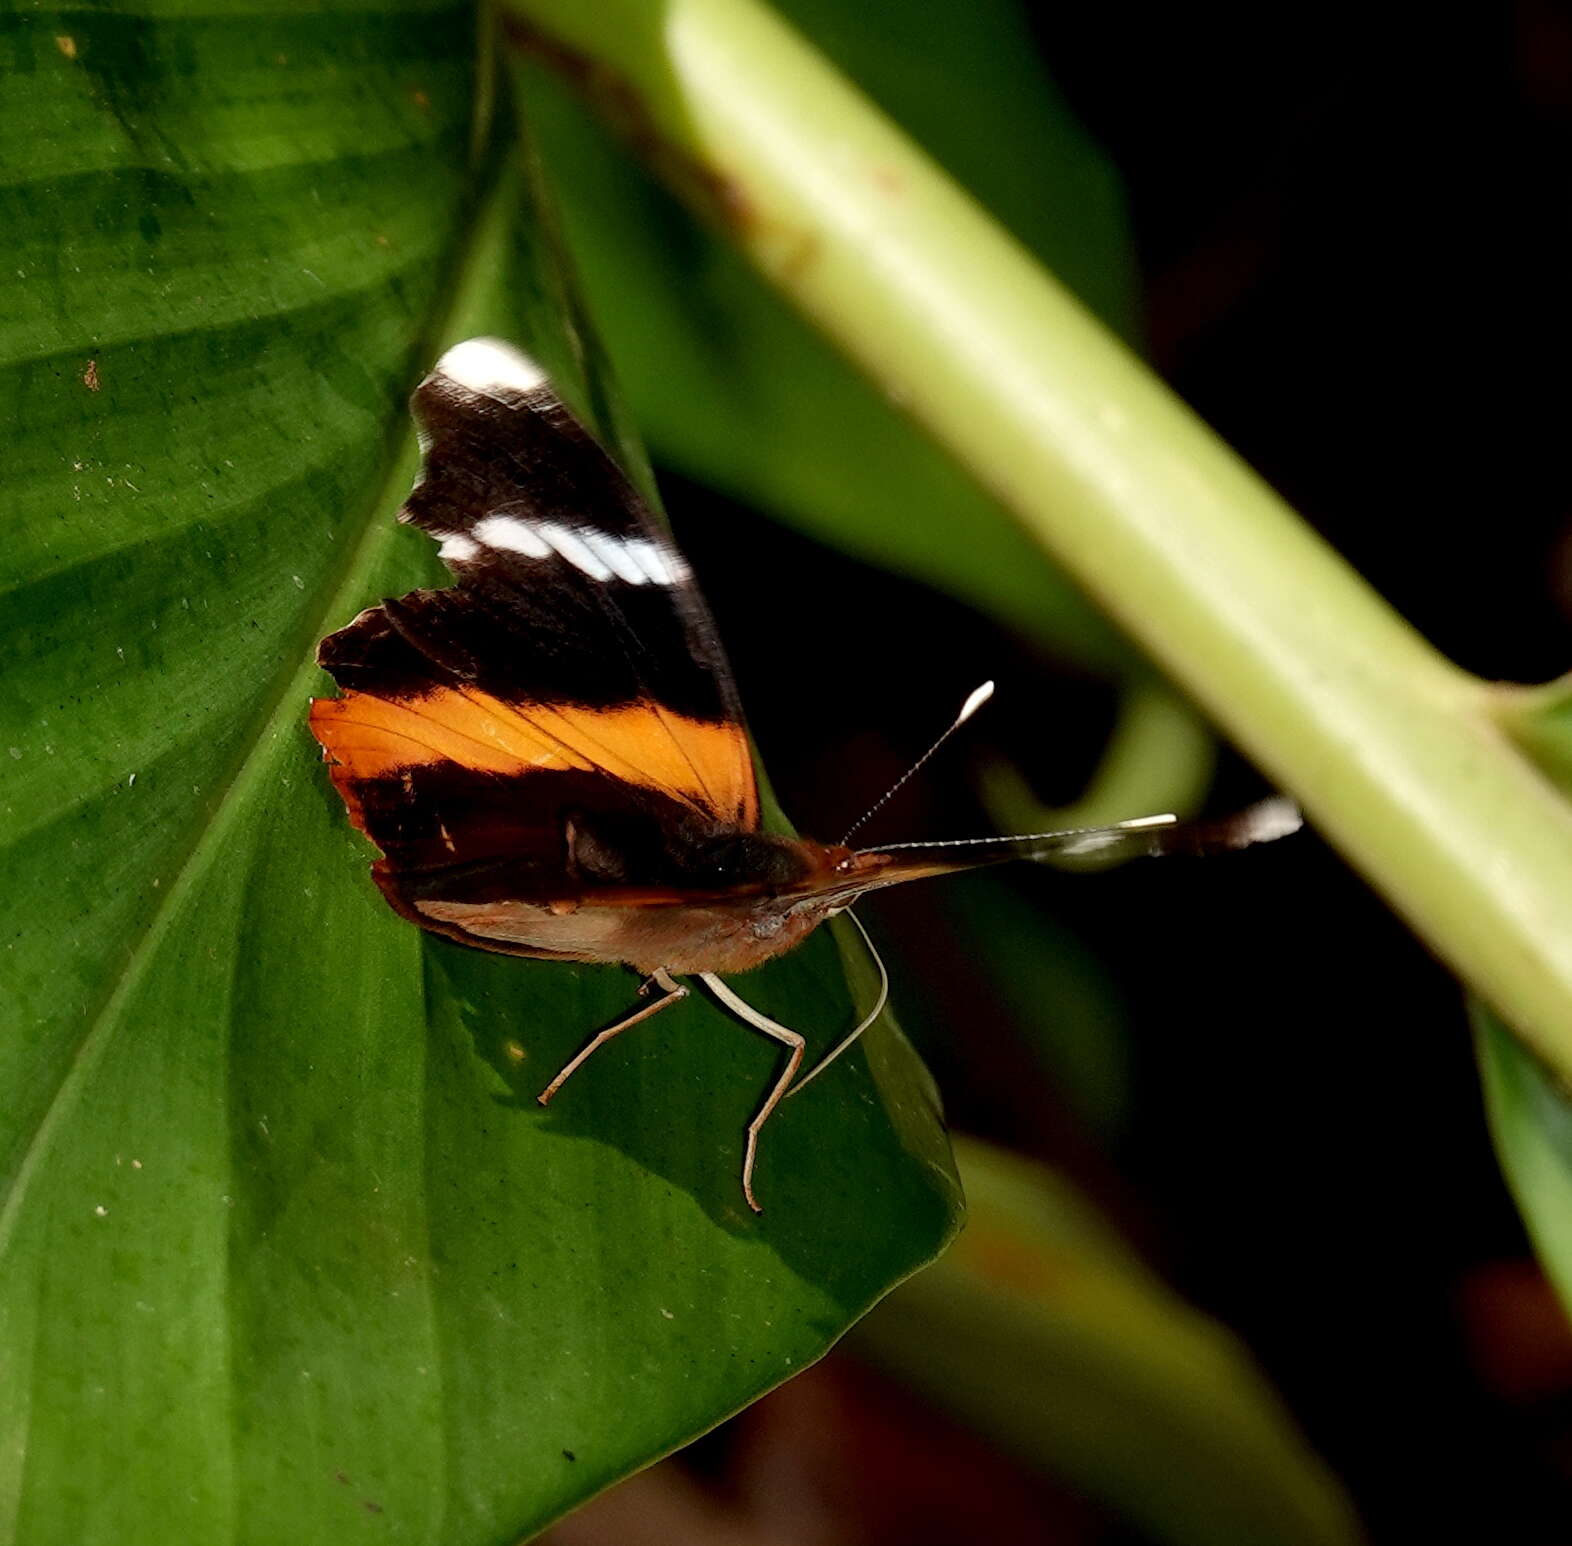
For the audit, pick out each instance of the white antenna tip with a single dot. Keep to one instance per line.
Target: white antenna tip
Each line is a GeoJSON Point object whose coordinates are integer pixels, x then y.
{"type": "Point", "coordinates": [970, 707]}
{"type": "Point", "coordinates": [975, 702]}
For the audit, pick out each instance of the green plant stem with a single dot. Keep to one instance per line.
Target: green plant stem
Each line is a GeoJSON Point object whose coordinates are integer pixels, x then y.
{"type": "Point", "coordinates": [1394, 752]}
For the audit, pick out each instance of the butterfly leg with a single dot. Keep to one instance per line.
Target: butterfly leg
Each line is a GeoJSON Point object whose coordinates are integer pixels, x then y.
{"type": "Point", "coordinates": [778, 1032]}
{"type": "Point", "coordinates": [673, 992]}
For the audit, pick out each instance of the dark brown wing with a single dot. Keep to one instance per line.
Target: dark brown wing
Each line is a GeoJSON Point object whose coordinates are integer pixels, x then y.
{"type": "Point", "coordinates": [570, 675]}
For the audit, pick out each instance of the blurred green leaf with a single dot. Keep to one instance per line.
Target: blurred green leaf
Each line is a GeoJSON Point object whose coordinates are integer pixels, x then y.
{"type": "Point", "coordinates": [1540, 720]}
{"type": "Point", "coordinates": [1061, 1001]}
{"type": "Point", "coordinates": [734, 389]}
{"type": "Point", "coordinates": [1531, 1125]}
{"type": "Point", "coordinates": [1042, 1330]}
{"type": "Point", "coordinates": [1529, 1111]}
{"type": "Point", "coordinates": [287, 1251]}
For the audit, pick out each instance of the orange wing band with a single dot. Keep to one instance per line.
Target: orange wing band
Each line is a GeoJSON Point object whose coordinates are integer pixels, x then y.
{"type": "Point", "coordinates": [704, 764]}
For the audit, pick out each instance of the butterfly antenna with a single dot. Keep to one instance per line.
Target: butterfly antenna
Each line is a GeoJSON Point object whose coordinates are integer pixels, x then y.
{"type": "Point", "coordinates": [970, 707]}
{"type": "Point", "coordinates": [872, 1015]}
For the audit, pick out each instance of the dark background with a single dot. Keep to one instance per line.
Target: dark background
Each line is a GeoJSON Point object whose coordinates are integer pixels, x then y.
{"type": "Point", "coordinates": [1353, 231]}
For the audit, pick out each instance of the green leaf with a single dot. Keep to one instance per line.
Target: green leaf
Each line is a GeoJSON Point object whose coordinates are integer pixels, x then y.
{"type": "Point", "coordinates": [1061, 1003]}
{"type": "Point", "coordinates": [1043, 1331]}
{"type": "Point", "coordinates": [1528, 1109]}
{"type": "Point", "coordinates": [1531, 1125]}
{"type": "Point", "coordinates": [287, 1250]}
{"type": "Point", "coordinates": [1540, 720]}
{"type": "Point", "coordinates": [736, 390]}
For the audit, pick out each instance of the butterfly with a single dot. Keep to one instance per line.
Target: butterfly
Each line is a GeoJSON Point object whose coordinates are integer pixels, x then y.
{"type": "Point", "coordinates": [550, 752]}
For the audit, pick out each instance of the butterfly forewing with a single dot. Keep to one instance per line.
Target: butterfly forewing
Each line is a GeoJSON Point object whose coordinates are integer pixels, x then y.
{"type": "Point", "coordinates": [572, 667]}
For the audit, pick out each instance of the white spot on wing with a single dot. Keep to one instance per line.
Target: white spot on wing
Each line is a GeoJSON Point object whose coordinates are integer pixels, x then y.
{"type": "Point", "coordinates": [508, 534]}
{"type": "Point", "coordinates": [572, 548]}
{"type": "Point", "coordinates": [457, 548]}
{"type": "Point", "coordinates": [663, 565]}
{"type": "Point", "coordinates": [1272, 818]}
{"type": "Point", "coordinates": [489, 366]}
{"type": "Point", "coordinates": [617, 555]}
{"type": "Point", "coordinates": [599, 554]}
